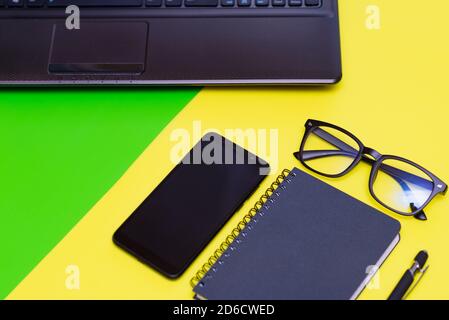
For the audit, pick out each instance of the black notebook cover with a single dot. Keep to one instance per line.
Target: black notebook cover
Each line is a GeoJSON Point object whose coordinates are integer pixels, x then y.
{"type": "Point", "coordinates": [310, 241]}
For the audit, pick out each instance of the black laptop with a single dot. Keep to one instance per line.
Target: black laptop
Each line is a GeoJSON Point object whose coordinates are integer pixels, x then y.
{"type": "Point", "coordinates": [145, 42]}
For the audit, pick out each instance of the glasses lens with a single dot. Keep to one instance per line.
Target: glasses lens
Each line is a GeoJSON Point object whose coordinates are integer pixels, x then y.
{"type": "Point", "coordinates": [329, 151]}
{"type": "Point", "coordinates": [402, 186]}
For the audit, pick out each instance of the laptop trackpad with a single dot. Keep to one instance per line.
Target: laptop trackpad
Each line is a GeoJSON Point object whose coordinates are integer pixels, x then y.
{"type": "Point", "coordinates": [99, 48]}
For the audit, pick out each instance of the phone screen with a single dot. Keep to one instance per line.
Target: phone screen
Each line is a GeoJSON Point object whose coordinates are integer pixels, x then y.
{"type": "Point", "coordinates": [180, 217]}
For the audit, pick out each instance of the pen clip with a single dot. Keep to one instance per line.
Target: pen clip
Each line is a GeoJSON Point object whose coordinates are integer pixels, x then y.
{"type": "Point", "coordinates": [422, 272]}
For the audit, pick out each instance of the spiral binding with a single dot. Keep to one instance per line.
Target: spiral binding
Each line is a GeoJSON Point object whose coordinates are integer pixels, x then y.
{"type": "Point", "coordinates": [238, 229]}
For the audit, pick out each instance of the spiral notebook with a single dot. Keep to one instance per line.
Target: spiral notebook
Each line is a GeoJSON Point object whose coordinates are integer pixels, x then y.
{"type": "Point", "coordinates": [304, 239]}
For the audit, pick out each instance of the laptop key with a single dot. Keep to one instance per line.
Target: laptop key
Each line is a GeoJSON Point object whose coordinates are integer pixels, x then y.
{"type": "Point", "coordinates": [153, 3]}
{"type": "Point", "coordinates": [227, 3]}
{"type": "Point", "coordinates": [278, 3]}
{"type": "Point", "coordinates": [295, 3]}
{"type": "Point", "coordinates": [312, 3]}
{"type": "Point", "coordinates": [262, 3]}
{"type": "Point", "coordinates": [15, 3]}
{"type": "Point", "coordinates": [201, 3]}
{"type": "Point", "coordinates": [244, 3]}
{"type": "Point", "coordinates": [173, 3]}
{"type": "Point", "coordinates": [34, 3]}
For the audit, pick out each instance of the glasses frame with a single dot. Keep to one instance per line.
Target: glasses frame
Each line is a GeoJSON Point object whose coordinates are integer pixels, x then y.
{"type": "Point", "coordinates": [374, 158]}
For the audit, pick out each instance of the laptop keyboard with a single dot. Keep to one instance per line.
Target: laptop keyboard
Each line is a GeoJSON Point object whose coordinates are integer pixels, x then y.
{"type": "Point", "coordinates": [153, 4]}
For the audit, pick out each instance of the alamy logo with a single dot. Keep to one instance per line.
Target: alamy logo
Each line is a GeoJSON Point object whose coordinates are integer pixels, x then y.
{"type": "Point", "coordinates": [374, 273]}
{"type": "Point", "coordinates": [260, 141]}
{"type": "Point", "coordinates": [73, 22]}
{"type": "Point", "coordinates": [72, 281]}
{"type": "Point", "coordinates": [373, 17]}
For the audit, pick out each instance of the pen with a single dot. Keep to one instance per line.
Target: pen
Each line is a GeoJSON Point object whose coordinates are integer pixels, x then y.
{"type": "Point", "coordinates": [409, 276]}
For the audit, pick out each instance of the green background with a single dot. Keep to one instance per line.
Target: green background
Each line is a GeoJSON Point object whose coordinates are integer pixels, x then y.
{"type": "Point", "coordinates": [60, 153]}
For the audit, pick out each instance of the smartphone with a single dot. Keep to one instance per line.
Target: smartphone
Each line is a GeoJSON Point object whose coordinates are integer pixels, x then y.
{"type": "Point", "coordinates": [186, 210]}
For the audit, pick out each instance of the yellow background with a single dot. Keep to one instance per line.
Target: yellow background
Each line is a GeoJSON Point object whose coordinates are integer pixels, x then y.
{"type": "Point", "coordinates": [394, 96]}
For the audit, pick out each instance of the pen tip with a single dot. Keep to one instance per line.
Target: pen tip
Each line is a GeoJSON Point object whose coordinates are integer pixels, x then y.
{"type": "Point", "coordinates": [421, 258]}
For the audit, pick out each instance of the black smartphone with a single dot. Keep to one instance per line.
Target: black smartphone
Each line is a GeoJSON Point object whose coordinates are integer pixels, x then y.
{"type": "Point", "coordinates": [185, 211]}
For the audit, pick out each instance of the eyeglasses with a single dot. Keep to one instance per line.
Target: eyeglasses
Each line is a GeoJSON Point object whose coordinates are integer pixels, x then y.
{"type": "Point", "coordinates": [398, 184]}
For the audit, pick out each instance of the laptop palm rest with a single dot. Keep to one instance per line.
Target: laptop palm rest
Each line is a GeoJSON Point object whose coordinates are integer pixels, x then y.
{"type": "Point", "coordinates": [100, 47]}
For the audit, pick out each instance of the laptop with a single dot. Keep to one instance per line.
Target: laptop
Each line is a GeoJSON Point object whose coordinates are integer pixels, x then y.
{"type": "Point", "coordinates": [173, 42]}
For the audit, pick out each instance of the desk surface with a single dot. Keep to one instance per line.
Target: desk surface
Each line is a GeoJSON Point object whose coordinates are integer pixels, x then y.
{"type": "Point", "coordinates": [394, 96]}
